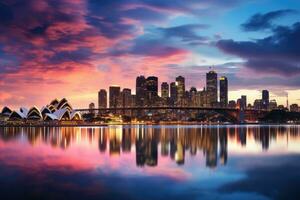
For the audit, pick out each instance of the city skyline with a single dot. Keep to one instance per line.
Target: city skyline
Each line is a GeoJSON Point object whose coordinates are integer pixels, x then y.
{"type": "Point", "coordinates": [219, 95]}
{"type": "Point", "coordinates": [72, 48]}
{"type": "Point", "coordinates": [214, 94]}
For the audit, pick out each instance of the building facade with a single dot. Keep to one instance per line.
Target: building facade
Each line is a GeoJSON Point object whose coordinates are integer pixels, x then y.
{"type": "Point", "coordinates": [141, 91]}
{"type": "Point", "coordinates": [126, 97]}
{"type": "Point", "coordinates": [180, 84]}
{"type": "Point", "coordinates": [165, 90]}
{"type": "Point", "coordinates": [212, 87]}
{"type": "Point", "coordinates": [223, 91]}
{"type": "Point", "coordinates": [173, 93]}
{"type": "Point", "coordinates": [265, 99]}
{"type": "Point", "coordinates": [152, 90]}
{"type": "Point", "coordinates": [102, 99]}
{"type": "Point", "coordinates": [114, 96]}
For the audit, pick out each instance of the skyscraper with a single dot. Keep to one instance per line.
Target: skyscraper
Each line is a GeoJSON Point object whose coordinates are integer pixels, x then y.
{"type": "Point", "coordinates": [114, 96]}
{"type": "Point", "coordinates": [223, 91]}
{"type": "Point", "coordinates": [102, 99]}
{"type": "Point", "coordinates": [180, 83]}
{"type": "Point", "coordinates": [126, 97]}
{"type": "Point", "coordinates": [152, 90]}
{"type": "Point", "coordinates": [265, 99]}
{"type": "Point", "coordinates": [164, 90]}
{"type": "Point", "coordinates": [203, 98]}
{"type": "Point", "coordinates": [141, 91]}
{"type": "Point", "coordinates": [243, 105]}
{"type": "Point", "coordinates": [173, 92]}
{"type": "Point", "coordinates": [193, 97]}
{"type": "Point", "coordinates": [212, 87]}
{"type": "Point", "coordinates": [152, 85]}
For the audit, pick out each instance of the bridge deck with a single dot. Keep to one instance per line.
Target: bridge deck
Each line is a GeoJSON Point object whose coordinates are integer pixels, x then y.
{"type": "Point", "coordinates": [164, 108]}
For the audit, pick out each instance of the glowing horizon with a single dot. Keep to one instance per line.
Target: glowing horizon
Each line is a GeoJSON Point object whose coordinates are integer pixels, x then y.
{"type": "Point", "coordinates": [55, 49]}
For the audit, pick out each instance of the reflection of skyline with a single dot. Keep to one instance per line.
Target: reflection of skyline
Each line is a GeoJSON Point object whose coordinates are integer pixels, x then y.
{"type": "Point", "coordinates": [149, 143]}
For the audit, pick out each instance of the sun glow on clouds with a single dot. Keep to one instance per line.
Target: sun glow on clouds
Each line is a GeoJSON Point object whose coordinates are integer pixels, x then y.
{"type": "Point", "coordinates": [73, 48]}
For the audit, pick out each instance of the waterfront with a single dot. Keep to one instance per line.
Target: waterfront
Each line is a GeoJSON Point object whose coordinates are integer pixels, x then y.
{"type": "Point", "coordinates": [150, 162]}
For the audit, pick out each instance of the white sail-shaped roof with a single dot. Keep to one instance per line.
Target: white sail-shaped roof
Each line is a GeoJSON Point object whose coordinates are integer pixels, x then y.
{"type": "Point", "coordinates": [75, 115]}
{"type": "Point", "coordinates": [62, 113]}
{"type": "Point", "coordinates": [56, 110]}
{"type": "Point", "coordinates": [34, 113]}
{"type": "Point", "coordinates": [54, 102]}
{"type": "Point", "coordinates": [45, 109]}
{"type": "Point", "coordinates": [50, 116]}
{"type": "Point", "coordinates": [24, 111]}
{"type": "Point", "coordinates": [17, 115]}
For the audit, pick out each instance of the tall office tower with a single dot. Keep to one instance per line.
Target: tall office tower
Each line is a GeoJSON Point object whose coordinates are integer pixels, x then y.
{"type": "Point", "coordinates": [152, 85]}
{"type": "Point", "coordinates": [114, 96]}
{"type": "Point", "coordinates": [180, 83]}
{"type": "Point", "coordinates": [212, 87]}
{"type": "Point", "coordinates": [203, 98]}
{"type": "Point", "coordinates": [141, 91]}
{"type": "Point", "coordinates": [164, 90]}
{"type": "Point", "coordinates": [265, 99]}
{"type": "Point", "coordinates": [223, 91]}
{"type": "Point", "coordinates": [243, 102]}
{"type": "Point", "coordinates": [173, 92]}
{"type": "Point", "coordinates": [102, 99]}
{"type": "Point", "coordinates": [126, 98]}
{"type": "Point", "coordinates": [133, 99]}
{"type": "Point", "coordinates": [193, 97]}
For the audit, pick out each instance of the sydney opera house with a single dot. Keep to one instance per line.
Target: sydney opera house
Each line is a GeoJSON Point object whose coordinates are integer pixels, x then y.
{"type": "Point", "coordinates": [55, 111]}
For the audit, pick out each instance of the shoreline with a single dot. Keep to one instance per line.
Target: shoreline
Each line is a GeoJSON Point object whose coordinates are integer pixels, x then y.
{"type": "Point", "coordinates": [133, 124]}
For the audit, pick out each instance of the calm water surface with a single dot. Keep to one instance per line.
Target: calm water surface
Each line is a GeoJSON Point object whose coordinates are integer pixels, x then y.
{"type": "Point", "coordinates": [150, 162]}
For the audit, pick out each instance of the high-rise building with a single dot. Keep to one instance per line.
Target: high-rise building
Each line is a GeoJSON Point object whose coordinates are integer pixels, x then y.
{"type": "Point", "coordinates": [164, 90]}
{"type": "Point", "coordinates": [173, 92]}
{"type": "Point", "coordinates": [239, 103]}
{"type": "Point", "coordinates": [133, 99]}
{"type": "Point", "coordinates": [152, 86]}
{"type": "Point", "coordinates": [180, 83]}
{"type": "Point", "coordinates": [102, 99]}
{"type": "Point", "coordinates": [126, 97]}
{"type": "Point", "coordinates": [141, 91]}
{"type": "Point", "coordinates": [114, 96]}
{"type": "Point", "coordinates": [223, 91]}
{"type": "Point", "coordinates": [193, 97]}
{"type": "Point", "coordinates": [212, 87]}
{"type": "Point", "coordinates": [203, 98]}
{"type": "Point", "coordinates": [243, 104]}
{"type": "Point", "coordinates": [265, 99]}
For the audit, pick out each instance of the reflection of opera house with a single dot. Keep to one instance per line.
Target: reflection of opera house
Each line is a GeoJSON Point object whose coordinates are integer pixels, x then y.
{"type": "Point", "coordinates": [55, 111]}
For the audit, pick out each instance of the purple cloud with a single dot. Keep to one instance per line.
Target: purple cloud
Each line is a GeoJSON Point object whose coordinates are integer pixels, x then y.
{"type": "Point", "coordinates": [264, 21]}
{"type": "Point", "coordinates": [277, 54]}
{"type": "Point", "coordinates": [185, 32]}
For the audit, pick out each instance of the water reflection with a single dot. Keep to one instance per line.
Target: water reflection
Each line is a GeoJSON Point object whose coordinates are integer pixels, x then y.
{"type": "Point", "coordinates": [148, 143]}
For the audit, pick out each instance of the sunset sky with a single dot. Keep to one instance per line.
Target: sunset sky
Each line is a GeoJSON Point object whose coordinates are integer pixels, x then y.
{"type": "Point", "coordinates": [72, 48]}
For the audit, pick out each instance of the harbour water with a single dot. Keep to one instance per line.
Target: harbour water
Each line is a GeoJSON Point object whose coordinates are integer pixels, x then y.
{"type": "Point", "coordinates": [151, 162]}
